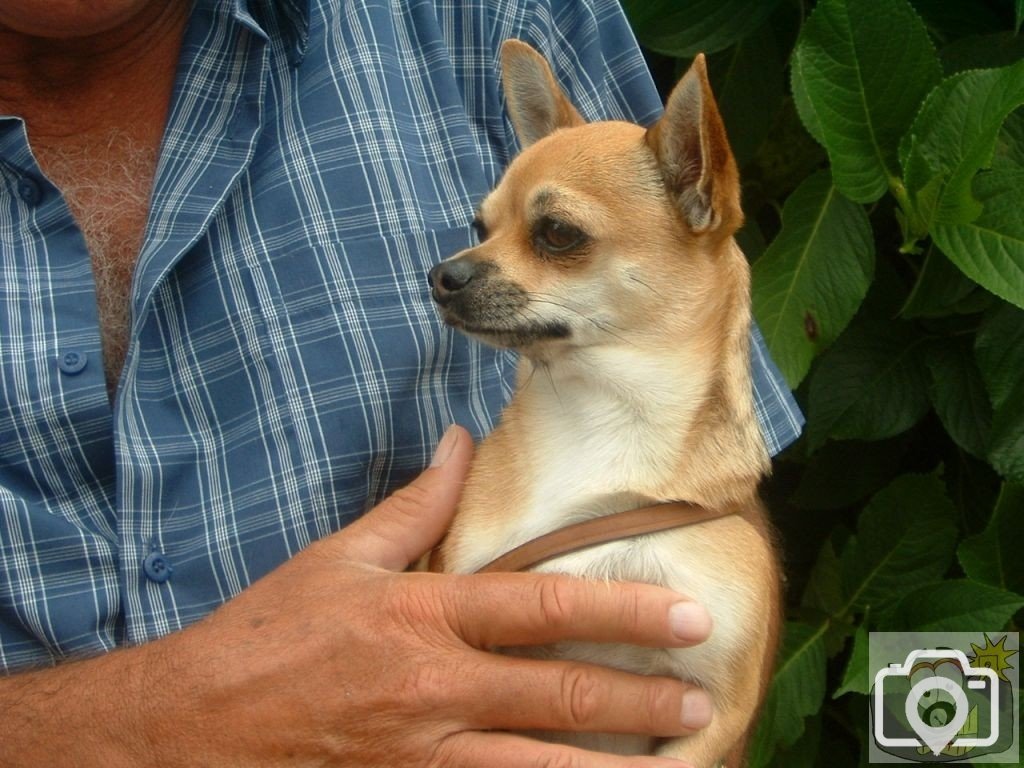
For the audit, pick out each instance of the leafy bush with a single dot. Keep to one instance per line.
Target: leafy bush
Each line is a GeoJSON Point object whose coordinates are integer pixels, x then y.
{"type": "Point", "coordinates": [882, 152]}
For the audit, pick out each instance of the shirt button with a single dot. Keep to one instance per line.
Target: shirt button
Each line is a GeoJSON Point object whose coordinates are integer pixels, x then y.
{"type": "Point", "coordinates": [72, 363]}
{"type": "Point", "coordinates": [156, 567]}
{"type": "Point", "coordinates": [29, 191]}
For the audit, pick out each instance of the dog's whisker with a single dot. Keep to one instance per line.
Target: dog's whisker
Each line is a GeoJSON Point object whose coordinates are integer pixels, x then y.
{"type": "Point", "coordinates": [600, 325]}
{"type": "Point", "coordinates": [649, 287]}
{"type": "Point", "coordinates": [551, 380]}
{"type": "Point", "coordinates": [533, 372]}
{"type": "Point", "coordinates": [543, 298]}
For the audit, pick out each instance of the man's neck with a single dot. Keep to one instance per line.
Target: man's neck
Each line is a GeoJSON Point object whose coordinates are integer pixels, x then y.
{"type": "Point", "coordinates": [64, 87]}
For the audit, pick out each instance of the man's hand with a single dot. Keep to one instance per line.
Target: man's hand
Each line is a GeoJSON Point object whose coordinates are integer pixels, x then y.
{"type": "Point", "coordinates": [339, 657]}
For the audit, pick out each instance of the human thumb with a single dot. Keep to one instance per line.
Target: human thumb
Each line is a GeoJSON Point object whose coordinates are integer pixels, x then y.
{"type": "Point", "coordinates": [407, 524]}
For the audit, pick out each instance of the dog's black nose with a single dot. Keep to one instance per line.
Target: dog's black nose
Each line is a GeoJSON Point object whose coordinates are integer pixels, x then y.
{"type": "Point", "coordinates": [450, 277]}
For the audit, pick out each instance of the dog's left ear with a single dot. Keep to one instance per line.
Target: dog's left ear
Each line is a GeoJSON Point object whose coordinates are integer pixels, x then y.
{"type": "Point", "coordinates": [536, 103]}
{"type": "Point", "coordinates": [692, 149]}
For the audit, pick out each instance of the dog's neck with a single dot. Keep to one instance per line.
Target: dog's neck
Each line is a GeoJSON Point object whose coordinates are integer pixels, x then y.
{"type": "Point", "coordinates": [648, 422]}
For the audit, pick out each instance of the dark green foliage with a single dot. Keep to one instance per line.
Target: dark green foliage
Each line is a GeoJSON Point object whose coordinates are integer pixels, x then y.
{"type": "Point", "coordinates": [881, 145]}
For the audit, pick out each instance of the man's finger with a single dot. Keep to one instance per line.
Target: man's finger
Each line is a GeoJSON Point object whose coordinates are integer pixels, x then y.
{"type": "Point", "coordinates": [470, 749]}
{"type": "Point", "coordinates": [528, 694]}
{"type": "Point", "coordinates": [407, 524]}
{"type": "Point", "coordinates": [493, 610]}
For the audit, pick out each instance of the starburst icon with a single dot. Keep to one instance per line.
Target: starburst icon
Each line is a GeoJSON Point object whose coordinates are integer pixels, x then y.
{"type": "Point", "coordinates": [994, 656]}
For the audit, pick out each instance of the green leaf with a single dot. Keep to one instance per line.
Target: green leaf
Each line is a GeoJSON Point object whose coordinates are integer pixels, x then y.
{"type": "Point", "coordinates": [1018, 14]}
{"type": "Point", "coordinates": [827, 482]}
{"type": "Point", "coordinates": [856, 678]}
{"type": "Point", "coordinates": [872, 384]}
{"type": "Point", "coordinates": [804, 753]}
{"type": "Point", "coordinates": [750, 239]}
{"type": "Point", "coordinates": [956, 605]}
{"type": "Point", "coordinates": [823, 597]}
{"type": "Point", "coordinates": [905, 537]}
{"type": "Point", "coordinates": [797, 690]}
{"type": "Point", "coordinates": [973, 486]}
{"type": "Point", "coordinates": [952, 138]}
{"type": "Point", "coordinates": [1009, 151]}
{"type": "Point", "coordinates": [749, 87]}
{"type": "Point", "coordinates": [814, 275]}
{"type": "Point", "coordinates": [939, 290]}
{"type": "Point", "coordinates": [1006, 453]}
{"type": "Point", "coordinates": [990, 248]}
{"type": "Point", "coordinates": [860, 69]}
{"type": "Point", "coordinates": [784, 160]}
{"type": "Point", "coordinates": [686, 29]}
{"type": "Point", "coordinates": [959, 396]}
{"type": "Point", "coordinates": [993, 556]}
{"type": "Point", "coordinates": [824, 590]}
{"type": "Point", "coordinates": [999, 350]}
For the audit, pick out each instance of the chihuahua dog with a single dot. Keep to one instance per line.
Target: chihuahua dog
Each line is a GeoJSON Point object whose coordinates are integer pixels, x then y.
{"type": "Point", "coordinates": [606, 259]}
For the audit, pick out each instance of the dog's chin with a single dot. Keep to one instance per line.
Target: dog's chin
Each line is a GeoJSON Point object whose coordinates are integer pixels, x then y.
{"type": "Point", "coordinates": [520, 337]}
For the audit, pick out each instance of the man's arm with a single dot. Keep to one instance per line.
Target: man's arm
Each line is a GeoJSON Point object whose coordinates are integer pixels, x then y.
{"type": "Point", "coordinates": [339, 657]}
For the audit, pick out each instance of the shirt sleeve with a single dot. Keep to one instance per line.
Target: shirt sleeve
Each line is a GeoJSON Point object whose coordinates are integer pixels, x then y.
{"type": "Point", "coordinates": [597, 60]}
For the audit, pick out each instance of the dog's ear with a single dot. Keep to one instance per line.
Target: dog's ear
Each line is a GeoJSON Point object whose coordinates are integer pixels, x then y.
{"type": "Point", "coordinates": [692, 149]}
{"type": "Point", "coordinates": [536, 103]}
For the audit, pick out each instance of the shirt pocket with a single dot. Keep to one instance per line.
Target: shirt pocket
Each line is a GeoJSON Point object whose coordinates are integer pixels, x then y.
{"type": "Point", "coordinates": [371, 375]}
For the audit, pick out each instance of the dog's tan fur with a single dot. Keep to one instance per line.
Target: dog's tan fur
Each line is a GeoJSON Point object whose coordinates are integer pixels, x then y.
{"type": "Point", "coordinates": [643, 391]}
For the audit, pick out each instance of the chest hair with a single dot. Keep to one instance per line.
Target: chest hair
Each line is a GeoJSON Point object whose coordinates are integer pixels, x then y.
{"type": "Point", "coordinates": [107, 186]}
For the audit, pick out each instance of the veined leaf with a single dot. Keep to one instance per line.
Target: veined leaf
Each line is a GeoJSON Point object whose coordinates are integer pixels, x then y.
{"type": "Point", "coordinates": [855, 678]}
{"type": "Point", "coordinates": [824, 590]}
{"type": "Point", "coordinates": [939, 289]}
{"type": "Point", "coordinates": [872, 384]}
{"type": "Point", "coordinates": [860, 69]}
{"type": "Point", "coordinates": [797, 690]}
{"type": "Point", "coordinates": [1010, 143]}
{"type": "Point", "coordinates": [959, 397]}
{"type": "Point", "coordinates": [828, 483]}
{"type": "Point", "coordinates": [905, 537]}
{"type": "Point", "coordinates": [999, 350]}
{"type": "Point", "coordinates": [823, 596]}
{"type": "Point", "coordinates": [989, 249]}
{"type": "Point", "coordinates": [686, 29]}
{"type": "Point", "coordinates": [956, 605]}
{"type": "Point", "coordinates": [1006, 453]}
{"type": "Point", "coordinates": [973, 486]}
{"type": "Point", "coordinates": [803, 753]}
{"type": "Point", "coordinates": [951, 139]}
{"type": "Point", "coordinates": [814, 275]}
{"type": "Point", "coordinates": [993, 556]}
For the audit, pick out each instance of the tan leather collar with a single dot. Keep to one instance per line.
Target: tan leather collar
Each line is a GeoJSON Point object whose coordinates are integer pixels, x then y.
{"type": "Point", "coordinates": [599, 530]}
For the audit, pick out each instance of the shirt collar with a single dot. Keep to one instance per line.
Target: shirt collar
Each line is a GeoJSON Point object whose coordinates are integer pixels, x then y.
{"type": "Point", "coordinates": [291, 17]}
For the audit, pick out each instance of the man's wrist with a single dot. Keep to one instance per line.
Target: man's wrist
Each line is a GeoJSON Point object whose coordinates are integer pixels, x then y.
{"type": "Point", "coordinates": [112, 710]}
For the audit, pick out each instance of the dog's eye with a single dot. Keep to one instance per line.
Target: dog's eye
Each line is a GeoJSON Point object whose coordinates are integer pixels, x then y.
{"type": "Point", "coordinates": [480, 228]}
{"type": "Point", "coordinates": [556, 236]}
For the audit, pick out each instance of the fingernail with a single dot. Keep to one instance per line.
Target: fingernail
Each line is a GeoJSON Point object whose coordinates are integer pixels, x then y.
{"type": "Point", "coordinates": [689, 621]}
{"type": "Point", "coordinates": [696, 709]}
{"type": "Point", "coordinates": [445, 447]}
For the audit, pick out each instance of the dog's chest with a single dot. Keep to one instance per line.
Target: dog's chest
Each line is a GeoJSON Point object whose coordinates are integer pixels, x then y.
{"type": "Point", "coordinates": [594, 452]}
{"type": "Point", "coordinates": [691, 561]}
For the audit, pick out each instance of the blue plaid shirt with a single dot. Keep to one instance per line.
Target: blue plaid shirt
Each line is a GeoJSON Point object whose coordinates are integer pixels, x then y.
{"type": "Point", "coordinates": [286, 367]}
